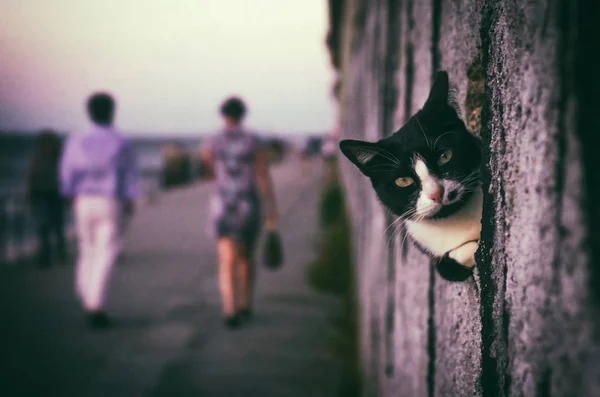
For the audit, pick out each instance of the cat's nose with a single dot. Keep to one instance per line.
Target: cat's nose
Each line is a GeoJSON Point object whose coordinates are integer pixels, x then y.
{"type": "Point", "coordinates": [436, 195]}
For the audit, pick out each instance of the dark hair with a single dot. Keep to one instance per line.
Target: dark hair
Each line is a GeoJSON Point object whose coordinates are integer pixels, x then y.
{"type": "Point", "coordinates": [101, 108]}
{"type": "Point", "coordinates": [233, 107]}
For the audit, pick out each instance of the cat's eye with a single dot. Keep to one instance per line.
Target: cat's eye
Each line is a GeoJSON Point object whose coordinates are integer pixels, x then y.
{"type": "Point", "coordinates": [405, 181]}
{"type": "Point", "coordinates": [445, 156]}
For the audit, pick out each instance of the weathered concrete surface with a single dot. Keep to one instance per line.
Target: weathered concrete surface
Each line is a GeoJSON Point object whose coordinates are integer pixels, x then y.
{"type": "Point", "coordinates": [169, 339]}
{"type": "Point", "coordinates": [542, 307]}
{"type": "Point", "coordinates": [525, 78]}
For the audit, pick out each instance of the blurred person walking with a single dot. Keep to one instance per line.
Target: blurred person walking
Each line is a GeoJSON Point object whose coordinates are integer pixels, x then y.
{"type": "Point", "coordinates": [329, 150]}
{"type": "Point", "coordinates": [45, 199]}
{"type": "Point", "coordinates": [98, 172]}
{"type": "Point", "coordinates": [242, 182]}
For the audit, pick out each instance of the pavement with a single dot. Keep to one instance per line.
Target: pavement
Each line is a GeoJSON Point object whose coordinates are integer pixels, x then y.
{"type": "Point", "coordinates": [169, 339]}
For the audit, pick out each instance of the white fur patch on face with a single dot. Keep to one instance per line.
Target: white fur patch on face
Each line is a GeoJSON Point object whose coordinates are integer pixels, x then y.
{"type": "Point", "coordinates": [435, 193]}
{"type": "Point", "coordinates": [421, 169]}
{"type": "Point", "coordinates": [430, 187]}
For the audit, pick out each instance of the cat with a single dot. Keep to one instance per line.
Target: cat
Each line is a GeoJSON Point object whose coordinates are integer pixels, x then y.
{"type": "Point", "coordinates": [427, 173]}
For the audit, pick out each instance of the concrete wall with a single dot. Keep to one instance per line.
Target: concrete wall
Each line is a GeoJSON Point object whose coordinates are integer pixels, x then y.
{"type": "Point", "coordinates": [526, 74]}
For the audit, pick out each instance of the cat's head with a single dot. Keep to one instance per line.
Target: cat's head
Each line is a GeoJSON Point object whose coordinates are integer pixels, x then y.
{"type": "Point", "coordinates": [428, 168]}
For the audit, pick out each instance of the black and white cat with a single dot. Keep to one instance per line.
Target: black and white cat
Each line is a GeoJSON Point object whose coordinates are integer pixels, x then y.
{"type": "Point", "coordinates": [428, 174]}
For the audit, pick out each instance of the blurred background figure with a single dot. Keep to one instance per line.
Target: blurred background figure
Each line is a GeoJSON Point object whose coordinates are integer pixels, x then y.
{"type": "Point", "coordinates": [242, 184]}
{"type": "Point", "coordinates": [329, 146]}
{"type": "Point", "coordinates": [47, 204]}
{"type": "Point", "coordinates": [311, 149]}
{"type": "Point", "coordinates": [98, 172]}
{"type": "Point", "coordinates": [329, 149]}
{"type": "Point", "coordinates": [177, 168]}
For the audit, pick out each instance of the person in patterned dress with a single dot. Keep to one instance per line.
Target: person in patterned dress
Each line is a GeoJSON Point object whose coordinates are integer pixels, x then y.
{"type": "Point", "coordinates": [242, 185]}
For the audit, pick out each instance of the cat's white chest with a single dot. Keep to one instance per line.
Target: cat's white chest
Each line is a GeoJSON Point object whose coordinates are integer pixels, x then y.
{"type": "Point", "coordinates": [439, 236]}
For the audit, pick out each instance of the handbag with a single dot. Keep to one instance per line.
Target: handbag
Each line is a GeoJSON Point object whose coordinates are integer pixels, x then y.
{"type": "Point", "coordinates": [273, 250]}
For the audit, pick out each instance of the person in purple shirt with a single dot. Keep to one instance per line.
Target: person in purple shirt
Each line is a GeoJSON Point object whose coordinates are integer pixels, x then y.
{"type": "Point", "coordinates": [98, 175]}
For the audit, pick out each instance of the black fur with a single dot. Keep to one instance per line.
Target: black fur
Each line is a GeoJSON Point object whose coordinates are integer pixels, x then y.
{"type": "Point", "coordinates": [451, 270]}
{"type": "Point", "coordinates": [434, 128]}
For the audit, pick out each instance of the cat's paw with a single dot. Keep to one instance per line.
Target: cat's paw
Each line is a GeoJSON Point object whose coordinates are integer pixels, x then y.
{"type": "Point", "coordinates": [457, 265]}
{"type": "Point", "coordinates": [465, 254]}
{"type": "Point", "coordinates": [449, 269]}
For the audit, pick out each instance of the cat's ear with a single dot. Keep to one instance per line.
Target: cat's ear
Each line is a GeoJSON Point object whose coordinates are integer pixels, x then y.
{"type": "Point", "coordinates": [360, 153]}
{"type": "Point", "coordinates": [438, 95]}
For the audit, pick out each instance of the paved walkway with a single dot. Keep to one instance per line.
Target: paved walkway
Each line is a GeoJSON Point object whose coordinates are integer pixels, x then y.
{"type": "Point", "coordinates": [169, 340]}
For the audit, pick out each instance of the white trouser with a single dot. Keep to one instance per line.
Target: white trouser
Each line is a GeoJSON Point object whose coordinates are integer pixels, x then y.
{"type": "Point", "coordinates": [97, 223]}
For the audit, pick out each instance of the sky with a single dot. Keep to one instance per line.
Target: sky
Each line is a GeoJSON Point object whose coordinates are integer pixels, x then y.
{"type": "Point", "coordinates": [169, 63]}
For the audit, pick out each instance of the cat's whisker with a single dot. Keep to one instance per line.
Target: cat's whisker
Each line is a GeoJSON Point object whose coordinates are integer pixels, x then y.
{"type": "Point", "coordinates": [438, 138]}
{"type": "Point", "coordinates": [406, 234]}
{"type": "Point", "coordinates": [474, 174]}
{"type": "Point", "coordinates": [397, 229]}
{"type": "Point", "coordinates": [381, 171]}
{"type": "Point", "coordinates": [390, 238]}
{"type": "Point", "coordinates": [392, 224]}
{"type": "Point", "coordinates": [470, 178]}
{"type": "Point", "coordinates": [408, 214]}
{"type": "Point", "coordinates": [392, 166]}
{"type": "Point", "coordinates": [470, 184]}
{"type": "Point", "coordinates": [469, 187]}
{"type": "Point", "coordinates": [391, 154]}
{"type": "Point", "coordinates": [386, 166]}
{"type": "Point", "coordinates": [396, 226]}
{"type": "Point", "coordinates": [423, 131]}
{"type": "Point", "coordinates": [382, 152]}
{"type": "Point", "coordinates": [383, 168]}
{"type": "Point", "coordinates": [423, 212]}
